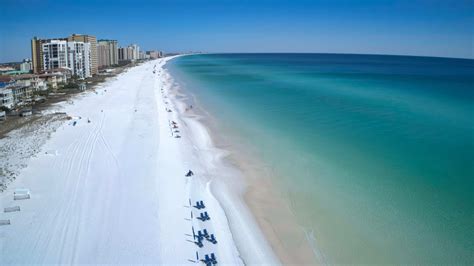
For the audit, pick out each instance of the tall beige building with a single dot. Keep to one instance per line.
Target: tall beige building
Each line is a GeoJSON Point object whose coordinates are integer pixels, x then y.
{"type": "Point", "coordinates": [36, 55]}
{"type": "Point", "coordinates": [93, 46]}
{"type": "Point", "coordinates": [107, 53]}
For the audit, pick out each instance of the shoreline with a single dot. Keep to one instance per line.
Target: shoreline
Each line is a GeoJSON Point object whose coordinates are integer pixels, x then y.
{"type": "Point", "coordinates": [266, 211]}
{"type": "Point", "coordinates": [224, 183]}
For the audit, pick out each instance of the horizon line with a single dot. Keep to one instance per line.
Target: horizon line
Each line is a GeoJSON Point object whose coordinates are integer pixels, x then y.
{"type": "Point", "coordinates": [327, 53]}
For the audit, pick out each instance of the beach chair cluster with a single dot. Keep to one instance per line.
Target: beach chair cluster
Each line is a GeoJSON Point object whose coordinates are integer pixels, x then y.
{"type": "Point", "coordinates": [209, 259]}
{"type": "Point", "coordinates": [174, 129]}
{"type": "Point", "coordinates": [204, 235]}
{"type": "Point", "coordinates": [173, 125]}
{"type": "Point", "coordinates": [203, 216]}
{"type": "Point", "coordinates": [199, 204]}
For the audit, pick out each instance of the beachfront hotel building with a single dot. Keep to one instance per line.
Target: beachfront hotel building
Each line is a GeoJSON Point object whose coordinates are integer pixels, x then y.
{"type": "Point", "coordinates": [37, 53]}
{"type": "Point", "coordinates": [125, 54]}
{"type": "Point", "coordinates": [135, 51]}
{"type": "Point", "coordinates": [130, 53]}
{"type": "Point", "coordinates": [79, 59]}
{"type": "Point", "coordinates": [107, 53]}
{"type": "Point", "coordinates": [154, 54]}
{"type": "Point", "coordinates": [62, 54]}
{"type": "Point", "coordinates": [65, 53]}
{"type": "Point", "coordinates": [54, 54]}
{"type": "Point", "coordinates": [93, 49]}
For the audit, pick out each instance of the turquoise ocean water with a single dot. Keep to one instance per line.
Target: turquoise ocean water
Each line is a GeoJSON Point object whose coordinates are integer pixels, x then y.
{"type": "Point", "coordinates": [375, 153]}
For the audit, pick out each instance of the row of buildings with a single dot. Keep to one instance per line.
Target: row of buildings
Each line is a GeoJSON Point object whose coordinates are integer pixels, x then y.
{"type": "Point", "coordinates": [78, 53]}
{"type": "Point", "coordinates": [56, 61]}
{"type": "Point", "coordinates": [84, 55]}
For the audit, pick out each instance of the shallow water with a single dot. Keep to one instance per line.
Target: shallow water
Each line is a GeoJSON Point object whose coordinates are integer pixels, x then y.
{"type": "Point", "coordinates": [373, 153]}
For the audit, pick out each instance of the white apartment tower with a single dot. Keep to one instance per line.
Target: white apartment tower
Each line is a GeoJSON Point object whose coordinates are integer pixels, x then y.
{"type": "Point", "coordinates": [79, 59]}
{"type": "Point", "coordinates": [135, 51]}
{"type": "Point", "coordinates": [55, 54]}
{"type": "Point", "coordinates": [71, 55]}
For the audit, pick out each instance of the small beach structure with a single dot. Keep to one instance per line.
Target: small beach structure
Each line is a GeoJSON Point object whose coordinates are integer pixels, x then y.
{"type": "Point", "coordinates": [190, 173]}
{"type": "Point", "coordinates": [5, 222]}
{"type": "Point", "coordinates": [11, 209]}
{"type": "Point", "coordinates": [21, 194]}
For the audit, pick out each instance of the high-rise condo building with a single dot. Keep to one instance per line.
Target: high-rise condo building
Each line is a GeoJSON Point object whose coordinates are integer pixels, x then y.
{"type": "Point", "coordinates": [37, 53]}
{"type": "Point", "coordinates": [54, 54]}
{"type": "Point", "coordinates": [79, 59]}
{"type": "Point", "coordinates": [154, 54]}
{"type": "Point", "coordinates": [132, 52]}
{"type": "Point", "coordinates": [93, 49]}
{"type": "Point", "coordinates": [60, 53]}
{"type": "Point", "coordinates": [135, 51]}
{"type": "Point", "coordinates": [107, 53]}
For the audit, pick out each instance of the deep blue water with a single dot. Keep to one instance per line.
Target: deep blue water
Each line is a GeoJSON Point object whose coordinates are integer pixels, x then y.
{"type": "Point", "coordinates": [375, 153]}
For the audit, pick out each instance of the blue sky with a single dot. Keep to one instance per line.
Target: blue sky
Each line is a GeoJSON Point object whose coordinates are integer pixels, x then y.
{"type": "Point", "coordinates": [408, 27]}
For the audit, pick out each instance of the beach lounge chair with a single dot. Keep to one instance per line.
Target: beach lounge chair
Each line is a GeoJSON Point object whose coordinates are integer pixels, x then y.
{"type": "Point", "coordinates": [213, 258]}
{"type": "Point", "coordinates": [206, 216]}
{"type": "Point", "coordinates": [202, 205]}
{"type": "Point", "coordinates": [212, 239]}
{"type": "Point", "coordinates": [203, 217]}
{"type": "Point", "coordinates": [206, 234]}
{"type": "Point", "coordinates": [207, 260]}
{"type": "Point", "coordinates": [199, 243]}
{"type": "Point", "coordinates": [200, 234]}
{"type": "Point", "coordinates": [197, 206]}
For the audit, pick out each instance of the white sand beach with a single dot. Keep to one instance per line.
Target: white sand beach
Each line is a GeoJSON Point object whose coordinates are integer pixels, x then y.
{"type": "Point", "coordinates": [109, 185]}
